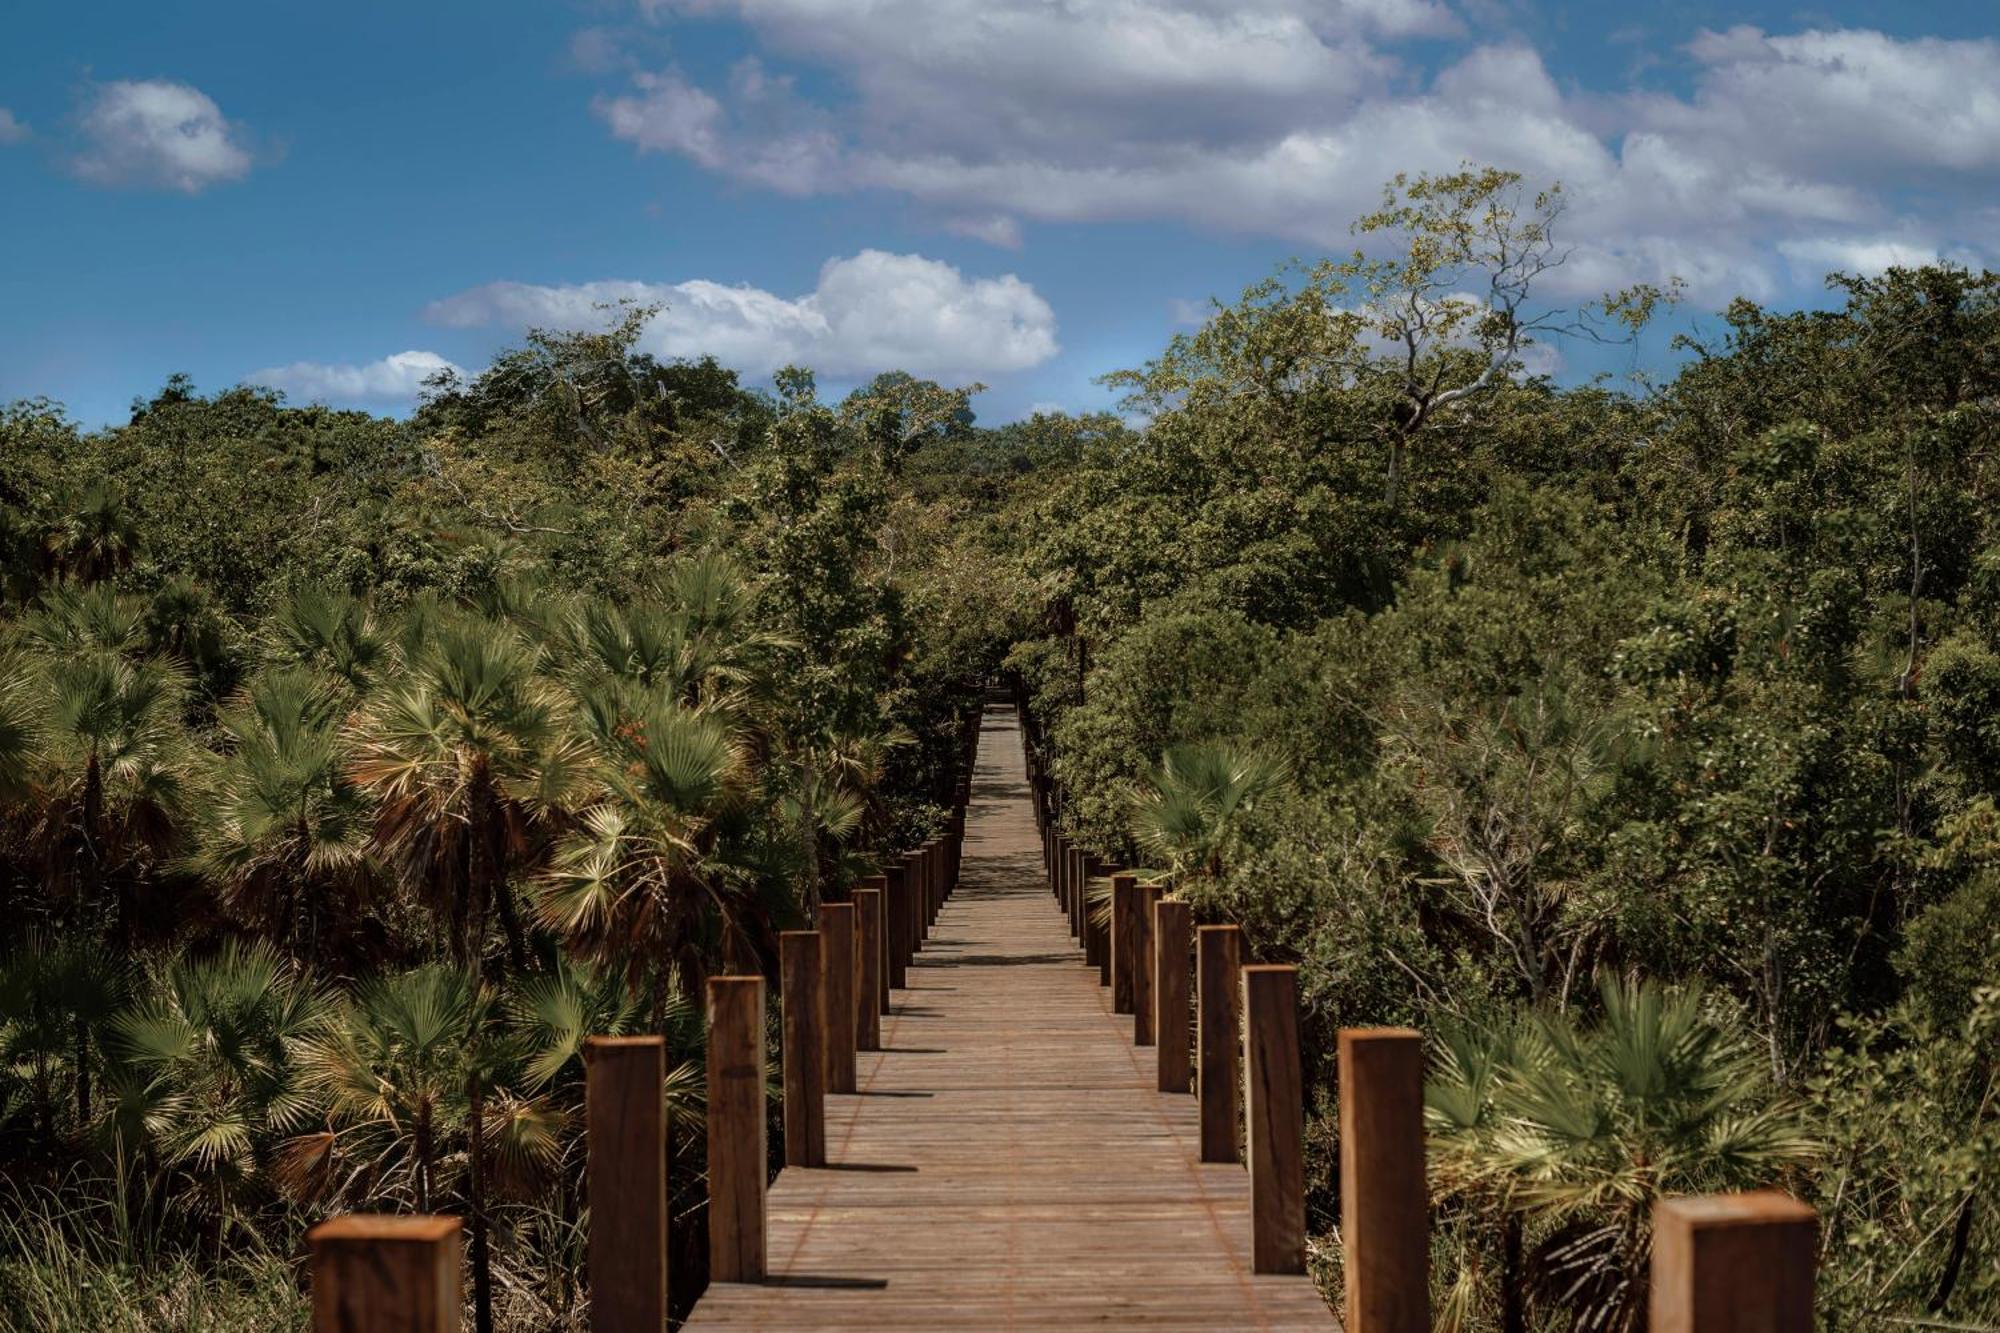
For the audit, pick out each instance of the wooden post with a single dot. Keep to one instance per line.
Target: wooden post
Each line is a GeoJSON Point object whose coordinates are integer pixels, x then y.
{"type": "Point", "coordinates": [1172, 945]}
{"type": "Point", "coordinates": [803, 999]}
{"type": "Point", "coordinates": [1142, 963]}
{"type": "Point", "coordinates": [626, 1142]}
{"type": "Point", "coordinates": [1384, 1201]}
{"type": "Point", "coordinates": [1733, 1263]}
{"type": "Point", "coordinates": [913, 865]}
{"type": "Point", "coordinates": [1079, 894]}
{"type": "Point", "coordinates": [1059, 866]}
{"type": "Point", "coordinates": [1124, 892]}
{"type": "Point", "coordinates": [1274, 1120]}
{"type": "Point", "coordinates": [836, 980]}
{"type": "Point", "coordinates": [379, 1274]}
{"type": "Point", "coordinates": [871, 978]}
{"type": "Point", "coordinates": [736, 1151]}
{"type": "Point", "coordinates": [1219, 959]}
{"type": "Point", "coordinates": [897, 926]}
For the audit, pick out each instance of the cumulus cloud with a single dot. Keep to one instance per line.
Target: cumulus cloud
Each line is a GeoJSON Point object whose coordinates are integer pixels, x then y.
{"type": "Point", "coordinates": [12, 130]}
{"type": "Point", "coordinates": [154, 134]}
{"type": "Point", "coordinates": [393, 379]}
{"type": "Point", "coordinates": [870, 312]}
{"type": "Point", "coordinates": [993, 228]}
{"type": "Point", "coordinates": [1283, 118]}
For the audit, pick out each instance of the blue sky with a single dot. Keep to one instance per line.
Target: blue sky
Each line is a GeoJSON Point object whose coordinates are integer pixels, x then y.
{"type": "Point", "coordinates": [337, 199]}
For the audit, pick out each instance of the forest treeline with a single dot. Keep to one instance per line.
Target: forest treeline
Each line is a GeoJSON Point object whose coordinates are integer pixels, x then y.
{"type": "Point", "coordinates": [1639, 744]}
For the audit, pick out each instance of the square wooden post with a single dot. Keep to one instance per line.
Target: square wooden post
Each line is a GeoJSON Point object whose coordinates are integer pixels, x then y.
{"type": "Point", "coordinates": [1733, 1263]}
{"type": "Point", "coordinates": [896, 927]}
{"type": "Point", "coordinates": [919, 897]}
{"type": "Point", "coordinates": [379, 1274]}
{"type": "Point", "coordinates": [802, 997]}
{"type": "Point", "coordinates": [836, 979]}
{"type": "Point", "coordinates": [1059, 867]}
{"type": "Point", "coordinates": [736, 1149]}
{"type": "Point", "coordinates": [871, 978]}
{"type": "Point", "coordinates": [1274, 1119]}
{"type": "Point", "coordinates": [1219, 956]}
{"type": "Point", "coordinates": [1124, 939]}
{"type": "Point", "coordinates": [625, 1139]}
{"type": "Point", "coordinates": [1142, 963]}
{"type": "Point", "coordinates": [1384, 1199]}
{"type": "Point", "coordinates": [1173, 944]}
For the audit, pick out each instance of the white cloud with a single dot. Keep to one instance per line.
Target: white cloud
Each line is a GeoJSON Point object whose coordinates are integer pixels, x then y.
{"type": "Point", "coordinates": [12, 131]}
{"type": "Point", "coordinates": [993, 228]}
{"type": "Point", "coordinates": [1283, 118]}
{"type": "Point", "coordinates": [868, 313]}
{"type": "Point", "coordinates": [393, 379]}
{"type": "Point", "coordinates": [154, 134]}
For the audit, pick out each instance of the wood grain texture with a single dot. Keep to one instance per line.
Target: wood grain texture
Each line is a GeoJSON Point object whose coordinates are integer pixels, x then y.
{"type": "Point", "coordinates": [380, 1274]}
{"type": "Point", "coordinates": [1219, 958]}
{"type": "Point", "coordinates": [626, 1139]}
{"type": "Point", "coordinates": [836, 979]}
{"type": "Point", "coordinates": [1124, 940]}
{"type": "Point", "coordinates": [1274, 1119]}
{"type": "Point", "coordinates": [1173, 1025]}
{"type": "Point", "coordinates": [1143, 963]}
{"type": "Point", "coordinates": [871, 975]}
{"type": "Point", "coordinates": [898, 925]}
{"type": "Point", "coordinates": [1007, 1162]}
{"type": "Point", "coordinates": [1384, 1201]}
{"type": "Point", "coordinates": [802, 998]}
{"type": "Point", "coordinates": [736, 1149]}
{"type": "Point", "coordinates": [1733, 1263]}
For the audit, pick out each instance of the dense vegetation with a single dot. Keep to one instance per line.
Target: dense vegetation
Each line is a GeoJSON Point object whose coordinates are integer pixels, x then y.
{"type": "Point", "coordinates": [1640, 745]}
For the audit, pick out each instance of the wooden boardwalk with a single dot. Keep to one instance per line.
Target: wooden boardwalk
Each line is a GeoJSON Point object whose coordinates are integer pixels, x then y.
{"type": "Point", "coordinates": [1006, 1162]}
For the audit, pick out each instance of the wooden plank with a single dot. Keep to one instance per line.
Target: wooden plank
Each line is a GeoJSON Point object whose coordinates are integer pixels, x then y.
{"type": "Point", "coordinates": [836, 982]}
{"type": "Point", "coordinates": [1733, 1263]}
{"type": "Point", "coordinates": [802, 997]}
{"type": "Point", "coordinates": [1142, 963]}
{"type": "Point", "coordinates": [1384, 1201]}
{"type": "Point", "coordinates": [1124, 940]}
{"type": "Point", "coordinates": [1173, 1029]}
{"type": "Point", "coordinates": [1008, 1162]}
{"type": "Point", "coordinates": [379, 1274]}
{"type": "Point", "coordinates": [736, 1149]}
{"type": "Point", "coordinates": [1217, 1018]}
{"type": "Point", "coordinates": [871, 975]}
{"type": "Point", "coordinates": [626, 1145]}
{"type": "Point", "coordinates": [1274, 1119]}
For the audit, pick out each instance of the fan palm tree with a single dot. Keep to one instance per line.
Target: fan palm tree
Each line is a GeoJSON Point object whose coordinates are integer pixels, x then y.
{"type": "Point", "coordinates": [95, 536]}
{"type": "Point", "coordinates": [1582, 1128]}
{"type": "Point", "coordinates": [285, 823]}
{"type": "Point", "coordinates": [1187, 807]}
{"type": "Point", "coordinates": [206, 1065]}
{"type": "Point", "coordinates": [392, 1068]}
{"type": "Point", "coordinates": [58, 994]}
{"type": "Point", "coordinates": [107, 780]}
{"type": "Point", "coordinates": [644, 876]}
{"type": "Point", "coordinates": [470, 762]}
{"type": "Point", "coordinates": [331, 633]}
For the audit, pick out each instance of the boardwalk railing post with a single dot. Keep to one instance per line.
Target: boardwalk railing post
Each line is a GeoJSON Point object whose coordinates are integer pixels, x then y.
{"type": "Point", "coordinates": [625, 1138]}
{"type": "Point", "coordinates": [1384, 1200]}
{"type": "Point", "coordinates": [896, 925]}
{"type": "Point", "coordinates": [1142, 963]}
{"type": "Point", "coordinates": [871, 976]}
{"type": "Point", "coordinates": [1219, 956]}
{"type": "Point", "coordinates": [1274, 1119]}
{"type": "Point", "coordinates": [1733, 1263]}
{"type": "Point", "coordinates": [736, 1151]}
{"type": "Point", "coordinates": [1124, 939]}
{"type": "Point", "coordinates": [913, 872]}
{"type": "Point", "coordinates": [836, 980]}
{"type": "Point", "coordinates": [378, 1274]}
{"type": "Point", "coordinates": [1172, 944]}
{"type": "Point", "coordinates": [803, 999]}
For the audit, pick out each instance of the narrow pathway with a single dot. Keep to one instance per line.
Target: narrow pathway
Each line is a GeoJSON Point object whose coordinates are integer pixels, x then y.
{"type": "Point", "coordinates": [1007, 1162]}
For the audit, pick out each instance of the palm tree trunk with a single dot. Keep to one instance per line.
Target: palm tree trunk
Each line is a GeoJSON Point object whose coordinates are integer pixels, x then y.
{"type": "Point", "coordinates": [82, 1073]}
{"type": "Point", "coordinates": [482, 1262]}
{"type": "Point", "coordinates": [1961, 1240]}
{"type": "Point", "coordinates": [1513, 1313]}
{"type": "Point", "coordinates": [424, 1158]}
